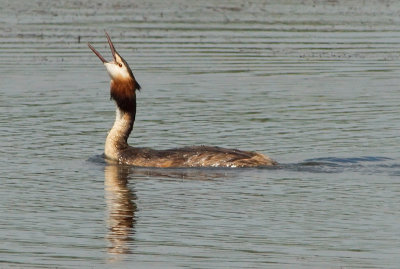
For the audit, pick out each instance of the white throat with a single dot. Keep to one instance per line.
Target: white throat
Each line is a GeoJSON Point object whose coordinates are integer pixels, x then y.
{"type": "Point", "coordinates": [117, 72]}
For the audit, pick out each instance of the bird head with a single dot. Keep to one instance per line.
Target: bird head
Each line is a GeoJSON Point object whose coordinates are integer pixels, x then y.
{"type": "Point", "coordinates": [123, 82]}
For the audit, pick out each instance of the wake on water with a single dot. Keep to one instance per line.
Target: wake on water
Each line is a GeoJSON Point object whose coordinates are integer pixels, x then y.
{"type": "Point", "coordinates": [365, 165]}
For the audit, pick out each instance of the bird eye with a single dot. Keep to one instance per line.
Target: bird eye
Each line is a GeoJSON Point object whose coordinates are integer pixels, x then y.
{"type": "Point", "coordinates": [120, 65]}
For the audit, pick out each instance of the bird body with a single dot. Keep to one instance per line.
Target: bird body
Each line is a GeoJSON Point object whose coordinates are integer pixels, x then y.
{"type": "Point", "coordinates": [123, 88]}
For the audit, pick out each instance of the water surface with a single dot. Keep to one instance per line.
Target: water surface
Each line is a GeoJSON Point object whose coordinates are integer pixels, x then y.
{"type": "Point", "coordinates": [315, 85]}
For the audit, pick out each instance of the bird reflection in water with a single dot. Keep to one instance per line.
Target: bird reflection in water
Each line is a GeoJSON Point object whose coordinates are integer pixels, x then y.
{"type": "Point", "coordinates": [121, 207]}
{"type": "Point", "coordinates": [120, 199]}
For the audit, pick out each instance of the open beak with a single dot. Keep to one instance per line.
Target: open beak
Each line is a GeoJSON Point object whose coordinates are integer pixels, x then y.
{"type": "Point", "coordinates": [113, 51]}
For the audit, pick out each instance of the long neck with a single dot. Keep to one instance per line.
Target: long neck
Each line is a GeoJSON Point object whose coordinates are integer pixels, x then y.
{"type": "Point", "coordinates": [117, 139]}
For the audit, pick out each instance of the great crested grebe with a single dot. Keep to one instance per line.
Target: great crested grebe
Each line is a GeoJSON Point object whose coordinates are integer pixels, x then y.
{"type": "Point", "coordinates": [122, 89]}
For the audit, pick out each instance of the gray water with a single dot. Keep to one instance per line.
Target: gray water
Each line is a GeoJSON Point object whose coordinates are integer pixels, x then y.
{"type": "Point", "coordinates": [313, 84]}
